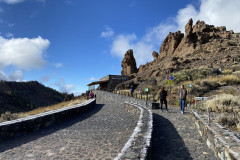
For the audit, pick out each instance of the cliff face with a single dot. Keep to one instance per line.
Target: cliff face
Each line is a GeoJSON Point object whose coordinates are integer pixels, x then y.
{"type": "Point", "coordinates": [202, 45]}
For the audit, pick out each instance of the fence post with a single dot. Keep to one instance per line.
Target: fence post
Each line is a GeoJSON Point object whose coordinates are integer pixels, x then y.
{"type": "Point", "coordinates": [208, 111]}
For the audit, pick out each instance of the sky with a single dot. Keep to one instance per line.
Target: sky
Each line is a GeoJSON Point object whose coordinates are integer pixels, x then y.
{"type": "Point", "coordinates": [67, 44]}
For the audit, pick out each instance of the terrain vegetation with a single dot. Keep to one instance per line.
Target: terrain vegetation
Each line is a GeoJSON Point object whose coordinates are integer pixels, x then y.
{"type": "Point", "coordinates": [20, 99]}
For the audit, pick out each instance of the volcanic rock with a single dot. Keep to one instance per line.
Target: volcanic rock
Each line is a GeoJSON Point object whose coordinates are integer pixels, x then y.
{"type": "Point", "coordinates": [129, 64]}
{"type": "Point", "coordinates": [170, 44]}
{"type": "Point", "coordinates": [155, 55]}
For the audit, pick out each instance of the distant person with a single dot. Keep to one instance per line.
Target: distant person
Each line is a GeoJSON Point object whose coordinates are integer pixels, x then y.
{"type": "Point", "coordinates": [131, 90]}
{"type": "Point", "coordinates": [91, 94]}
{"type": "Point", "coordinates": [163, 98]}
{"type": "Point", "coordinates": [182, 97]}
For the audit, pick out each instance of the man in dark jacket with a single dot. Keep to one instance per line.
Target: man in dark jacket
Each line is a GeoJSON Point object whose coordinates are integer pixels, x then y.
{"type": "Point", "coordinates": [182, 97]}
{"type": "Point", "coordinates": [163, 98]}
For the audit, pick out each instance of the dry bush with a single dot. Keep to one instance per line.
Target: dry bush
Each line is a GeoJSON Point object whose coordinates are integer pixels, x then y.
{"type": "Point", "coordinates": [230, 120]}
{"type": "Point", "coordinates": [229, 107]}
{"type": "Point", "coordinates": [223, 103]}
{"type": "Point", "coordinates": [229, 80]}
{"type": "Point", "coordinates": [7, 116]}
{"type": "Point", "coordinates": [227, 71]}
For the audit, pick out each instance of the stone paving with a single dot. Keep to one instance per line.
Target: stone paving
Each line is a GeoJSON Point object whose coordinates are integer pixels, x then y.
{"type": "Point", "coordinates": [99, 134]}
{"type": "Point", "coordinates": [175, 137]}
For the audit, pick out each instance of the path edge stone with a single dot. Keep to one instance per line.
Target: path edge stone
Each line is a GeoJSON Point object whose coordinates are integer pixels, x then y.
{"type": "Point", "coordinates": [9, 129]}
{"type": "Point", "coordinates": [222, 142]}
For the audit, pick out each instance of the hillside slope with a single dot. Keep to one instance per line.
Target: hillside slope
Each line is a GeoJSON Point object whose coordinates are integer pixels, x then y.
{"type": "Point", "coordinates": [25, 96]}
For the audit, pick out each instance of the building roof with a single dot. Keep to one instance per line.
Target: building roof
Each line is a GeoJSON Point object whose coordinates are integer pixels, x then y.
{"type": "Point", "coordinates": [97, 82]}
{"type": "Point", "coordinates": [106, 79]}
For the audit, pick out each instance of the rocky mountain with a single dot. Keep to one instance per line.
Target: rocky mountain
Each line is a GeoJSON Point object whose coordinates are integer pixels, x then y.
{"type": "Point", "coordinates": [202, 46]}
{"type": "Point", "coordinates": [25, 96]}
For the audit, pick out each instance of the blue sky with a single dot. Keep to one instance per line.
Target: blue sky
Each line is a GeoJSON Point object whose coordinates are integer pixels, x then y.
{"type": "Point", "coordinates": [66, 44]}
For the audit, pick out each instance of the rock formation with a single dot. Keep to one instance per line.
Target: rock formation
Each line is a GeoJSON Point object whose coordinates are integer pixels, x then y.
{"type": "Point", "coordinates": [202, 46]}
{"type": "Point", "coordinates": [155, 55]}
{"type": "Point", "coordinates": [170, 43]}
{"type": "Point", "coordinates": [129, 64]}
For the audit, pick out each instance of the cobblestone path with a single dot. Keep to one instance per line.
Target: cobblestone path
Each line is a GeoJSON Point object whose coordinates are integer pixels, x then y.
{"type": "Point", "coordinates": [175, 138]}
{"type": "Point", "coordinates": [98, 134]}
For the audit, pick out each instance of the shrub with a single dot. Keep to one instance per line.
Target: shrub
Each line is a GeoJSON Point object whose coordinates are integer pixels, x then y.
{"type": "Point", "coordinates": [193, 74]}
{"type": "Point", "coordinates": [7, 116]}
{"type": "Point", "coordinates": [231, 43]}
{"type": "Point", "coordinates": [231, 91]}
{"type": "Point", "coordinates": [229, 120]}
{"type": "Point", "coordinates": [223, 103]}
{"type": "Point", "coordinates": [229, 80]}
{"type": "Point", "coordinates": [227, 71]}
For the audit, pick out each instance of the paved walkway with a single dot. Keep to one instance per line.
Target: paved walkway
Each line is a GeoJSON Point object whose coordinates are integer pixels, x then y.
{"type": "Point", "coordinates": [98, 134]}
{"type": "Point", "coordinates": [175, 138]}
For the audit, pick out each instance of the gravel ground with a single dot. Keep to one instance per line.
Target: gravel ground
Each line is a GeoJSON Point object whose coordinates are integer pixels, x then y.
{"type": "Point", "coordinates": [175, 137]}
{"type": "Point", "coordinates": [98, 134]}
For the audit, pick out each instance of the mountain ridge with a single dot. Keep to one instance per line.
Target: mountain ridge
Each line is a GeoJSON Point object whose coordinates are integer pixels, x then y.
{"type": "Point", "coordinates": [202, 46]}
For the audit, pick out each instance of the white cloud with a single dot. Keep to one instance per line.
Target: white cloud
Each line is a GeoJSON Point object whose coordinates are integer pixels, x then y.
{"type": "Point", "coordinates": [58, 65]}
{"type": "Point", "coordinates": [12, 1]}
{"type": "Point", "coordinates": [63, 87]}
{"type": "Point", "coordinates": [214, 12]}
{"type": "Point", "coordinates": [17, 1]}
{"type": "Point", "coordinates": [45, 79]}
{"type": "Point", "coordinates": [11, 25]}
{"type": "Point", "coordinates": [108, 33]}
{"type": "Point", "coordinates": [141, 49]}
{"type": "Point", "coordinates": [93, 79]}
{"type": "Point", "coordinates": [16, 75]}
{"type": "Point", "coordinates": [3, 76]}
{"type": "Point", "coordinates": [9, 35]}
{"type": "Point", "coordinates": [23, 53]}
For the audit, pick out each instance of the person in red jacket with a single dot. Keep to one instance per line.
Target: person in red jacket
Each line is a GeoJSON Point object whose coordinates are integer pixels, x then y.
{"type": "Point", "coordinates": [91, 94]}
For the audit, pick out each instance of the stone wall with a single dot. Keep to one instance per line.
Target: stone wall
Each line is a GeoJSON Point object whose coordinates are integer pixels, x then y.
{"type": "Point", "coordinates": [139, 144]}
{"type": "Point", "coordinates": [225, 145]}
{"type": "Point", "coordinates": [31, 123]}
{"type": "Point", "coordinates": [103, 97]}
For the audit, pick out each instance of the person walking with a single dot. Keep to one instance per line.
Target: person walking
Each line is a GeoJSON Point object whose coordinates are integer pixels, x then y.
{"type": "Point", "coordinates": [131, 90]}
{"type": "Point", "coordinates": [163, 98]}
{"type": "Point", "coordinates": [182, 97]}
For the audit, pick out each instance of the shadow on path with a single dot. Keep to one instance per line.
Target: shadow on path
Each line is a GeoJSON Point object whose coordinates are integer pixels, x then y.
{"type": "Point", "coordinates": [24, 138]}
{"type": "Point", "coordinates": [167, 143]}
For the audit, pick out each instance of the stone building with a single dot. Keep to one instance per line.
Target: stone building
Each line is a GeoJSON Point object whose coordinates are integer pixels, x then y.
{"type": "Point", "coordinates": [108, 83]}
